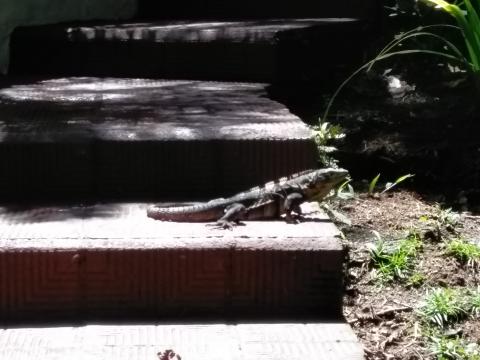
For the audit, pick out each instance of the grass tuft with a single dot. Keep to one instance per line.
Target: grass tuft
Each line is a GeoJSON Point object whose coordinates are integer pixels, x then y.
{"type": "Point", "coordinates": [416, 280]}
{"type": "Point", "coordinates": [444, 348]}
{"type": "Point", "coordinates": [465, 252]}
{"type": "Point", "coordinates": [396, 263]}
{"type": "Point", "coordinates": [474, 302]}
{"type": "Point", "coordinates": [444, 306]}
{"type": "Point", "coordinates": [447, 217]}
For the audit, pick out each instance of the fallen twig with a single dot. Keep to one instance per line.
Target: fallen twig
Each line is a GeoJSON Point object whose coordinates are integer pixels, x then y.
{"type": "Point", "coordinates": [400, 303]}
{"type": "Point", "coordinates": [375, 315]}
{"type": "Point", "coordinates": [391, 310]}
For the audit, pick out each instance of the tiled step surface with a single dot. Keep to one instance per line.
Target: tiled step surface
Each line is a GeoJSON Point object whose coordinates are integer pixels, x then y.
{"type": "Point", "coordinates": [112, 262]}
{"type": "Point", "coordinates": [243, 50]}
{"type": "Point", "coordinates": [255, 341]}
{"type": "Point", "coordinates": [140, 138]}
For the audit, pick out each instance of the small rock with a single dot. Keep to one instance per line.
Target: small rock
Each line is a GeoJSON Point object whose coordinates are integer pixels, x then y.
{"type": "Point", "coordinates": [453, 332]}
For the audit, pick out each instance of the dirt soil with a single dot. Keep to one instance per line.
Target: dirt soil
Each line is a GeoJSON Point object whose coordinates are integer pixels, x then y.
{"type": "Point", "coordinates": [410, 117]}
{"type": "Point", "coordinates": [385, 315]}
{"type": "Point", "coordinates": [405, 121]}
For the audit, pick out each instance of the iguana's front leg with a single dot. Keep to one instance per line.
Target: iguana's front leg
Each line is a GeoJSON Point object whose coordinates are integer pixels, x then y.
{"type": "Point", "coordinates": [292, 204]}
{"type": "Point", "coordinates": [233, 215]}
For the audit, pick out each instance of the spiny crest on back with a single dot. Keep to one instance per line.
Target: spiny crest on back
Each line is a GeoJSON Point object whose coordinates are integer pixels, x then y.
{"type": "Point", "coordinates": [274, 184]}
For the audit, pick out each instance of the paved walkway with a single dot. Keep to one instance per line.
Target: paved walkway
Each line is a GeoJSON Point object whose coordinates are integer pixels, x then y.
{"type": "Point", "coordinates": [281, 341]}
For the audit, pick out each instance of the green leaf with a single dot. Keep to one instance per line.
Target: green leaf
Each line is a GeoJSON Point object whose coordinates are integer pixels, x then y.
{"type": "Point", "coordinates": [345, 190]}
{"type": "Point", "coordinates": [396, 182]}
{"type": "Point", "coordinates": [372, 184]}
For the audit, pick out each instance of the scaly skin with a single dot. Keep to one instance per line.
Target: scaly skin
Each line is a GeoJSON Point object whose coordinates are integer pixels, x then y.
{"type": "Point", "coordinates": [266, 202]}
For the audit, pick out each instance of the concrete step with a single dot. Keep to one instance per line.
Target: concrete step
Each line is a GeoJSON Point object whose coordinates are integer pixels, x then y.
{"type": "Point", "coordinates": [255, 341]}
{"type": "Point", "coordinates": [81, 138]}
{"type": "Point", "coordinates": [111, 262]}
{"type": "Point", "coordinates": [259, 50]}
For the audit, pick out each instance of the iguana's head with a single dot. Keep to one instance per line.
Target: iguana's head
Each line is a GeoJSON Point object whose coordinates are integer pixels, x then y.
{"type": "Point", "coordinates": [318, 183]}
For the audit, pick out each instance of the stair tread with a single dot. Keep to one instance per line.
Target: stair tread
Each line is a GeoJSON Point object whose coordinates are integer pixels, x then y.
{"type": "Point", "coordinates": [112, 262]}
{"type": "Point", "coordinates": [129, 138]}
{"type": "Point", "coordinates": [126, 226]}
{"type": "Point", "coordinates": [246, 31]}
{"type": "Point", "coordinates": [110, 109]}
{"type": "Point", "coordinates": [280, 341]}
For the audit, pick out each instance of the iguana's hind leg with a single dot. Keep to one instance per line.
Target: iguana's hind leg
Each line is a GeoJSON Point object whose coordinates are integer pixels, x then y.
{"type": "Point", "coordinates": [233, 215]}
{"type": "Point", "coordinates": [292, 204]}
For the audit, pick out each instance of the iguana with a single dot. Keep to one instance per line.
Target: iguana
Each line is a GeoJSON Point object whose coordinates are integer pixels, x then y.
{"type": "Point", "coordinates": [282, 196]}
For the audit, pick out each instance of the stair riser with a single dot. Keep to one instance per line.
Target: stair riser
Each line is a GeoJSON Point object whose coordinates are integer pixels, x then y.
{"type": "Point", "coordinates": [163, 169]}
{"type": "Point", "coordinates": [117, 284]}
{"type": "Point", "coordinates": [80, 138]}
{"type": "Point", "coordinates": [227, 62]}
{"type": "Point", "coordinates": [290, 55]}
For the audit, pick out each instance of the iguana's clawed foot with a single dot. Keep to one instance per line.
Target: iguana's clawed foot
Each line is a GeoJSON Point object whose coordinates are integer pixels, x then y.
{"type": "Point", "coordinates": [225, 224]}
{"type": "Point", "coordinates": [294, 218]}
{"type": "Point", "coordinates": [292, 221]}
{"type": "Point", "coordinates": [233, 214]}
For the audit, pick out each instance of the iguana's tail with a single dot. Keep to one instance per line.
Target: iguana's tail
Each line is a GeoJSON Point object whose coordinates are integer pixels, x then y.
{"type": "Point", "coordinates": [202, 212]}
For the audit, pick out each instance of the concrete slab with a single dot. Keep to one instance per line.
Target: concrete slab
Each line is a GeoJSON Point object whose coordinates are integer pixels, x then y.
{"type": "Point", "coordinates": [111, 262]}
{"type": "Point", "coordinates": [255, 341]}
{"type": "Point", "coordinates": [144, 138]}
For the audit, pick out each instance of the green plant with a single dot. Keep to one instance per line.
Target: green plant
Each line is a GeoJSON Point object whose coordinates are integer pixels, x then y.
{"type": "Point", "coordinates": [474, 302]}
{"type": "Point", "coordinates": [447, 217]}
{"type": "Point", "coordinates": [436, 222]}
{"type": "Point", "coordinates": [444, 348]}
{"type": "Point", "coordinates": [464, 251]}
{"type": "Point", "coordinates": [389, 185]}
{"type": "Point", "coordinates": [444, 306]}
{"type": "Point", "coordinates": [324, 134]}
{"type": "Point", "coordinates": [467, 15]}
{"type": "Point", "coordinates": [372, 184]}
{"type": "Point", "coordinates": [388, 52]}
{"type": "Point", "coordinates": [345, 191]}
{"type": "Point", "coordinates": [416, 280]}
{"type": "Point", "coordinates": [395, 263]}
